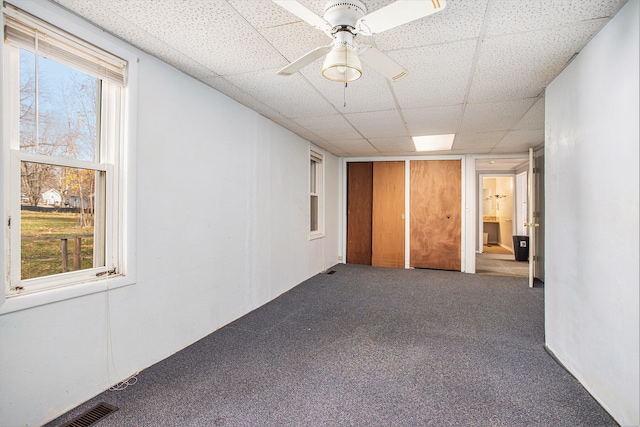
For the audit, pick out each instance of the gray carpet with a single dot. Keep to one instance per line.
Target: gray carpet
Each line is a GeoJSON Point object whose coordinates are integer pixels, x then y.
{"type": "Point", "coordinates": [368, 347]}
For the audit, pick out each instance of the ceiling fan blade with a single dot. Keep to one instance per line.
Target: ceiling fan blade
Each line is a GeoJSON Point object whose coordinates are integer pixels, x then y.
{"type": "Point", "coordinates": [305, 14]}
{"type": "Point", "coordinates": [304, 60]}
{"type": "Point", "coordinates": [382, 63]}
{"type": "Point", "coordinates": [397, 13]}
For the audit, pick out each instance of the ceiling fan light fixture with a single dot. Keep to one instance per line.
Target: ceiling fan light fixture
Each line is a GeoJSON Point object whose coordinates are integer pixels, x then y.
{"type": "Point", "coordinates": [342, 64]}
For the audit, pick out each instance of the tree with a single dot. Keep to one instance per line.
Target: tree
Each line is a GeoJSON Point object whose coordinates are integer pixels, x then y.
{"type": "Point", "coordinates": [57, 118]}
{"type": "Point", "coordinates": [81, 183]}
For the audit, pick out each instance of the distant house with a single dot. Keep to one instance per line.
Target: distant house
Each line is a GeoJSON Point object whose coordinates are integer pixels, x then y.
{"type": "Point", "coordinates": [51, 197]}
{"type": "Point", "coordinates": [74, 202]}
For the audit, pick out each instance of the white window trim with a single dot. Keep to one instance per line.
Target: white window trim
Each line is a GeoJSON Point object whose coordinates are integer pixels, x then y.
{"type": "Point", "coordinates": [126, 215]}
{"type": "Point", "coordinates": [319, 156]}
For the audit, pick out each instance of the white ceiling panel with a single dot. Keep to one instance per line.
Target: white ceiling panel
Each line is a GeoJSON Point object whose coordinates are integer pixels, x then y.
{"type": "Point", "coordinates": [357, 147]}
{"type": "Point", "coordinates": [238, 94]}
{"type": "Point", "coordinates": [215, 26]}
{"type": "Point", "coordinates": [112, 22]}
{"type": "Point", "coordinates": [516, 139]}
{"type": "Point", "coordinates": [487, 59]}
{"type": "Point", "coordinates": [295, 128]}
{"type": "Point", "coordinates": [478, 142]}
{"type": "Point", "coordinates": [503, 72]}
{"type": "Point", "coordinates": [508, 16]}
{"type": "Point", "coordinates": [438, 75]}
{"type": "Point", "coordinates": [263, 14]}
{"type": "Point", "coordinates": [307, 39]}
{"type": "Point", "coordinates": [289, 96]}
{"type": "Point", "coordinates": [394, 145]}
{"type": "Point", "coordinates": [459, 20]}
{"type": "Point", "coordinates": [369, 93]}
{"type": "Point", "coordinates": [492, 116]}
{"type": "Point", "coordinates": [433, 120]}
{"type": "Point", "coordinates": [377, 123]}
{"type": "Point", "coordinates": [331, 128]}
{"type": "Point", "coordinates": [227, 88]}
{"type": "Point", "coordinates": [534, 118]}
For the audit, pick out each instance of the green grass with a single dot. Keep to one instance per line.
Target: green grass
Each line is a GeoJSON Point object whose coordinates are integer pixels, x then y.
{"type": "Point", "coordinates": [42, 257]}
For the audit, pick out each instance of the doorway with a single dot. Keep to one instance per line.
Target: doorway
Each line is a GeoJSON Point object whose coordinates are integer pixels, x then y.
{"type": "Point", "coordinates": [501, 194]}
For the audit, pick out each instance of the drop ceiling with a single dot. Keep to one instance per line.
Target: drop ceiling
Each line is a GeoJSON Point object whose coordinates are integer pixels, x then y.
{"type": "Point", "coordinates": [478, 68]}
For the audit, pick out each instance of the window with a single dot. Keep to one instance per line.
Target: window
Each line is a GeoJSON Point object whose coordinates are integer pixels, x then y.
{"type": "Point", "coordinates": [63, 157]}
{"type": "Point", "coordinates": [316, 184]}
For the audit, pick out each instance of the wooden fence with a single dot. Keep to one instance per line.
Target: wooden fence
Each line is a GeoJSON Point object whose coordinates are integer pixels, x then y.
{"type": "Point", "coordinates": [64, 249]}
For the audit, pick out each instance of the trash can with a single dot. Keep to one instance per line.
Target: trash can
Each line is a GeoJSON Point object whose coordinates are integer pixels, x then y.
{"type": "Point", "coordinates": [521, 248]}
{"type": "Point", "coordinates": [485, 239]}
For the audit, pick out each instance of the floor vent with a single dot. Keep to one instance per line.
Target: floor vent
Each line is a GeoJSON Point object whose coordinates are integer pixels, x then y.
{"type": "Point", "coordinates": [331, 272]}
{"type": "Point", "coordinates": [92, 416]}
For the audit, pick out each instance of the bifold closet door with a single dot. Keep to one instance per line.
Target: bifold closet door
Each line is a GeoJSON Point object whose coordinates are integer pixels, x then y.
{"type": "Point", "coordinates": [359, 211]}
{"type": "Point", "coordinates": [436, 218]}
{"type": "Point", "coordinates": [387, 243]}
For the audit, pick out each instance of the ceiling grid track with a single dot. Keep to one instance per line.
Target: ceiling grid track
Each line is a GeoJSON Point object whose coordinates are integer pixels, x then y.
{"type": "Point", "coordinates": [474, 63]}
{"type": "Point", "coordinates": [474, 67]}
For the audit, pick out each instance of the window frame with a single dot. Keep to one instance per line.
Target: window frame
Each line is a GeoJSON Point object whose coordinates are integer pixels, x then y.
{"type": "Point", "coordinates": [316, 159]}
{"type": "Point", "coordinates": [118, 166]}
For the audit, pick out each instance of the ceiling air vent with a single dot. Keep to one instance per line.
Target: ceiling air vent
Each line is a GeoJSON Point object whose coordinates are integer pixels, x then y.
{"type": "Point", "coordinates": [92, 416]}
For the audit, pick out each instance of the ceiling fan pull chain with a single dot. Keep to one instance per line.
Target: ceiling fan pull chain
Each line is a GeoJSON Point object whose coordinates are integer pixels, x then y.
{"type": "Point", "coordinates": [344, 95]}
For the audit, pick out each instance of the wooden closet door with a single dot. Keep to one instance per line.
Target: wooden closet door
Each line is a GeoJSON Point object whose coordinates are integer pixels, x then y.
{"type": "Point", "coordinates": [436, 218]}
{"type": "Point", "coordinates": [359, 211]}
{"type": "Point", "coordinates": [388, 214]}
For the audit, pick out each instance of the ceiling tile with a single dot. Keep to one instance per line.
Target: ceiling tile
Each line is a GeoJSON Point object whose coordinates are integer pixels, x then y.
{"type": "Point", "coordinates": [357, 147]}
{"type": "Point", "coordinates": [263, 13]}
{"type": "Point", "coordinates": [534, 118]}
{"type": "Point", "coordinates": [214, 26]}
{"type": "Point", "coordinates": [477, 141]}
{"type": "Point", "coordinates": [332, 128]}
{"type": "Point", "coordinates": [377, 123]}
{"type": "Point", "coordinates": [494, 116]}
{"type": "Point", "coordinates": [394, 145]}
{"type": "Point", "coordinates": [227, 88]}
{"type": "Point", "coordinates": [508, 16]}
{"type": "Point", "coordinates": [438, 75]}
{"type": "Point", "coordinates": [140, 38]}
{"type": "Point", "coordinates": [237, 46]}
{"type": "Point", "coordinates": [433, 120]}
{"type": "Point", "coordinates": [517, 139]}
{"type": "Point", "coordinates": [503, 72]}
{"type": "Point", "coordinates": [459, 20]}
{"type": "Point", "coordinates": [369, 93]}
{"type": "Point", "coordinates": [307, 39]}
{"type": "Point", "coordinates": [289, 96]}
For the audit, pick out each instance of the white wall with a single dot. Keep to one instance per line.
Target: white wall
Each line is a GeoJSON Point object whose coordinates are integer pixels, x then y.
{"type": "Point", "coordinates": [222, 228]}
{"type": "Point", "coordinates": [591, 151]}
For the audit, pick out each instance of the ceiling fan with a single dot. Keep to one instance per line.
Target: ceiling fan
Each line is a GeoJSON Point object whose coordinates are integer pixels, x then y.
{"type": "Point", "coordinates": [342, 20]}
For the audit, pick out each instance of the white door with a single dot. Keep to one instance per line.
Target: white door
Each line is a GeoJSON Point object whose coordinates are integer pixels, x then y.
{"type": "Point", "coordinates": [522, 211]}
{"type": "Point", "coordinates": [531, 223]}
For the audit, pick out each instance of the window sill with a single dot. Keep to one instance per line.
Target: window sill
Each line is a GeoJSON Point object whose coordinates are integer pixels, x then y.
{"type": "Point", "coordinates": [316, 235]}
{"type": "Point", "coordinates": [27, 301]}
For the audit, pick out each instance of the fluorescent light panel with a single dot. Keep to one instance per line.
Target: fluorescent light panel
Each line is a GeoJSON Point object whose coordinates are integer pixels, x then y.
{"type": "Point", "coordinates": [433, 142]}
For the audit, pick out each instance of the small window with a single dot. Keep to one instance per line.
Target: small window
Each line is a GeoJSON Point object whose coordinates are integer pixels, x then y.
{"type": "Point", "coordinates": [316, 185]}
{"type": "Point", "coordinates": [63, 145]}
